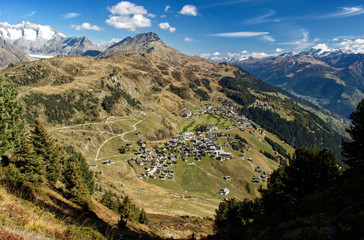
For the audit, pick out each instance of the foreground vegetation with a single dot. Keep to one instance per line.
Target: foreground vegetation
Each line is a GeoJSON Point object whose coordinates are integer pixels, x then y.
{"type": "Point", "coordinates": [310, 193]}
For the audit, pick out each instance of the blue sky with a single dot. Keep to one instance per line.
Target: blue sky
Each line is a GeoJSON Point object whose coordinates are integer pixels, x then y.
{"type": "Point", "coordinates": [206, 27]}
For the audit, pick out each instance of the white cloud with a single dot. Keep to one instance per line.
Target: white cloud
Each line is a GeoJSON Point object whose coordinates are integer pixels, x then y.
{"type": "Point", "coordinates": [30, 14]}
{"type": "Point", "coordinates": [243, 55]}
{"type": "Point", "coordinates": [335, 39]}
{"type": "Point", "coordinates": [167, 8]}
{"type": "Point", "coordinates": [205, 55]}
{"type": "Point", "coordinates": [86, 26]}
{"type": "Point", "coordinates": [127, 8]}
{"type": "Point", "coordinates": [357, 45]}
{"type": "Point", "coordinates": [279, 50]}
{"type": "Point", "coordinates": [71, 15]}
{"type": "Point", "coordinates": [166, 26]}
{"type": "Point", "coordinates": [187, 39]}
{"type": "Point", "coordinates": [163, 16]}
{"type": "Point", "coordinates": [127, 15]}
{"type": "Point", "coordinates": [304, 42]}
{"type": "Point", "coordinates": [321, 46]}
{"type": "Point", "coordinates": [263, 18]}
{"type": "Point", "coordinates": [239, 34]}
{"type": "Point", "coordinates": [190, 10]}
{"type": "Point", "coordinates": [344, 12]}
{"type": "Point", "coordinates": [268, 38]}
{"type": "Point", "coordinates": [151, 15]}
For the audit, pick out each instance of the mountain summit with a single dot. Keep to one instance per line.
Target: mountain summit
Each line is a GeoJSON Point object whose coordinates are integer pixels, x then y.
{"type": "Point", "coordinates": [145, 42]}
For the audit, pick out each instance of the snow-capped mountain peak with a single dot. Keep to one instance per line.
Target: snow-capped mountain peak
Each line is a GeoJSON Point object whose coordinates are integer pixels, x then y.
{"type": "Point", "coordinates": [322, 50]}
{"type": "Point", "coordinates": [28, 31]}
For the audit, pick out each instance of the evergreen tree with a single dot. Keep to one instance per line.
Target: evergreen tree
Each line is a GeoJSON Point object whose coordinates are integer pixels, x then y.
{"type": "Point", "coordinates": [143, 219]}
{"type": "Point", "coordinates": [28, 162]}
{"type": "Point", "coordinates": [354, 151]}
{"type": "Point", "coordinates": [109, 201]}
{"type": "Point", "coordinates": [128, 210]}
{"type": "Point", "coordinates": [76, 184]}
{"type": "Point", "coordinates": [45, 146]}
{"type": "Point", "coordinates": [309, 169]}
{"type": "Point", "coordinates": [11, 123]}
{"type": "Point", "coordinates": [86, 173]}
{"type": "Point", "coordinates": [13, 176]}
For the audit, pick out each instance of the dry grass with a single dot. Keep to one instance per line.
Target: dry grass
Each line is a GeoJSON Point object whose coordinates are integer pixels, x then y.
{"type": "Point", "coordinates": [22, 215]}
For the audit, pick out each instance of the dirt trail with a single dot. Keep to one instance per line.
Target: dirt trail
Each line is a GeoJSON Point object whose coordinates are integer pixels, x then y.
{"type": "Point", "coordinates": [118, 135]}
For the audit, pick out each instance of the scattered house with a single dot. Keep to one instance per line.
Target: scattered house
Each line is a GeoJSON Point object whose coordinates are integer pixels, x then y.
{"type": "Point", "coordinates": [258, 170]}
{"type": "Point", "coordinates": [187, 114]}
{"type": "Point", "coordinates": [255, 179]}
{"type": "Point", "coordinates": [188, 135]}
{"type": "Point", "coordinates": [108, 162]}
{"type": "Point", "coordinates": [224, 191]}
{"type": "Point", "coordinates": [227, 178]}
{"type": "Point", "coordinates": [93, 165]}
{"type": "Point", "coordinates": [211, 128]}
{"type": "Point", "coordinates": [227, 155]}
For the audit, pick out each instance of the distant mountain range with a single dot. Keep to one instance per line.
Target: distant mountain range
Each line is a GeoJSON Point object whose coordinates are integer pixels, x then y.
{"type": "Point", "coordinates": [332, 79]}
{"type": "Point", "coordinates": [41, 41]}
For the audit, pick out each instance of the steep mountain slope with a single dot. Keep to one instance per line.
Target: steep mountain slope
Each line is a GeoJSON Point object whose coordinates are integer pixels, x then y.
{"type": "Point", "coordinates": [10, 54]}
{"type": "Point", "coordinates": [331, 79]}
{"type": "Point", "coordinates": [44, 40]}
{"type": "Point", "coordinates": [148, 43]}
{"type": "Point", "coordinates": [104, 106]}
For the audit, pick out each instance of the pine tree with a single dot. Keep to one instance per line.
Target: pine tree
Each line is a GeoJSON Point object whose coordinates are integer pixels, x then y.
{"type": "Point", "coordinates": [45, 146]}
{"type": "Point", "coordinates": [128, 210]}
{"type": "Point", "coordinates": [143, 219]}
{"type": "Point", "coordinates": [11, 123]}
{"type": "Point", "coordinates": [109, 201]}
{"type": "Point", "coordinates": [86, 173]}
{"type": "Point", "coordinates": [354, 151]}
{"type": "Point", "coordinates": [76, 185]}
{"type": "Point", "coordinates": [28, 162]}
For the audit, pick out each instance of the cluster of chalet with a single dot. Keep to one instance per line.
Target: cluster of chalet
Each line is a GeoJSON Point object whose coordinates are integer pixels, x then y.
{"type": "Point", "coordinates": [264, 176]}
{"type": "Point", "coordinates": [227, 110]}
{"type": "Point", "coordinates": [179, 148]}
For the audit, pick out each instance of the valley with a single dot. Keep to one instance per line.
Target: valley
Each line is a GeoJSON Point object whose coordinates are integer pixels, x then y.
{"type": "Point", "coordinates": [176, 134]}
{"type": "Point", "coordinates": [195, 188]}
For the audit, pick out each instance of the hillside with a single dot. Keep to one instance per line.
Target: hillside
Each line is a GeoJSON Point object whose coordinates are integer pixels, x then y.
{"type": "Point", "coordinates": [334, 211]}
{"type": "Point", "coordinates": [331, 79]}
{"type": "Point", "coordinates": [205, 126]}
{"type": "Point", "coordinates": [10, 54]}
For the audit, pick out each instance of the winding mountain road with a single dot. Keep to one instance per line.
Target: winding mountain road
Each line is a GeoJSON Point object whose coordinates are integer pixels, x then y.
{"type": "Point", "coordinates": [119, 135]}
